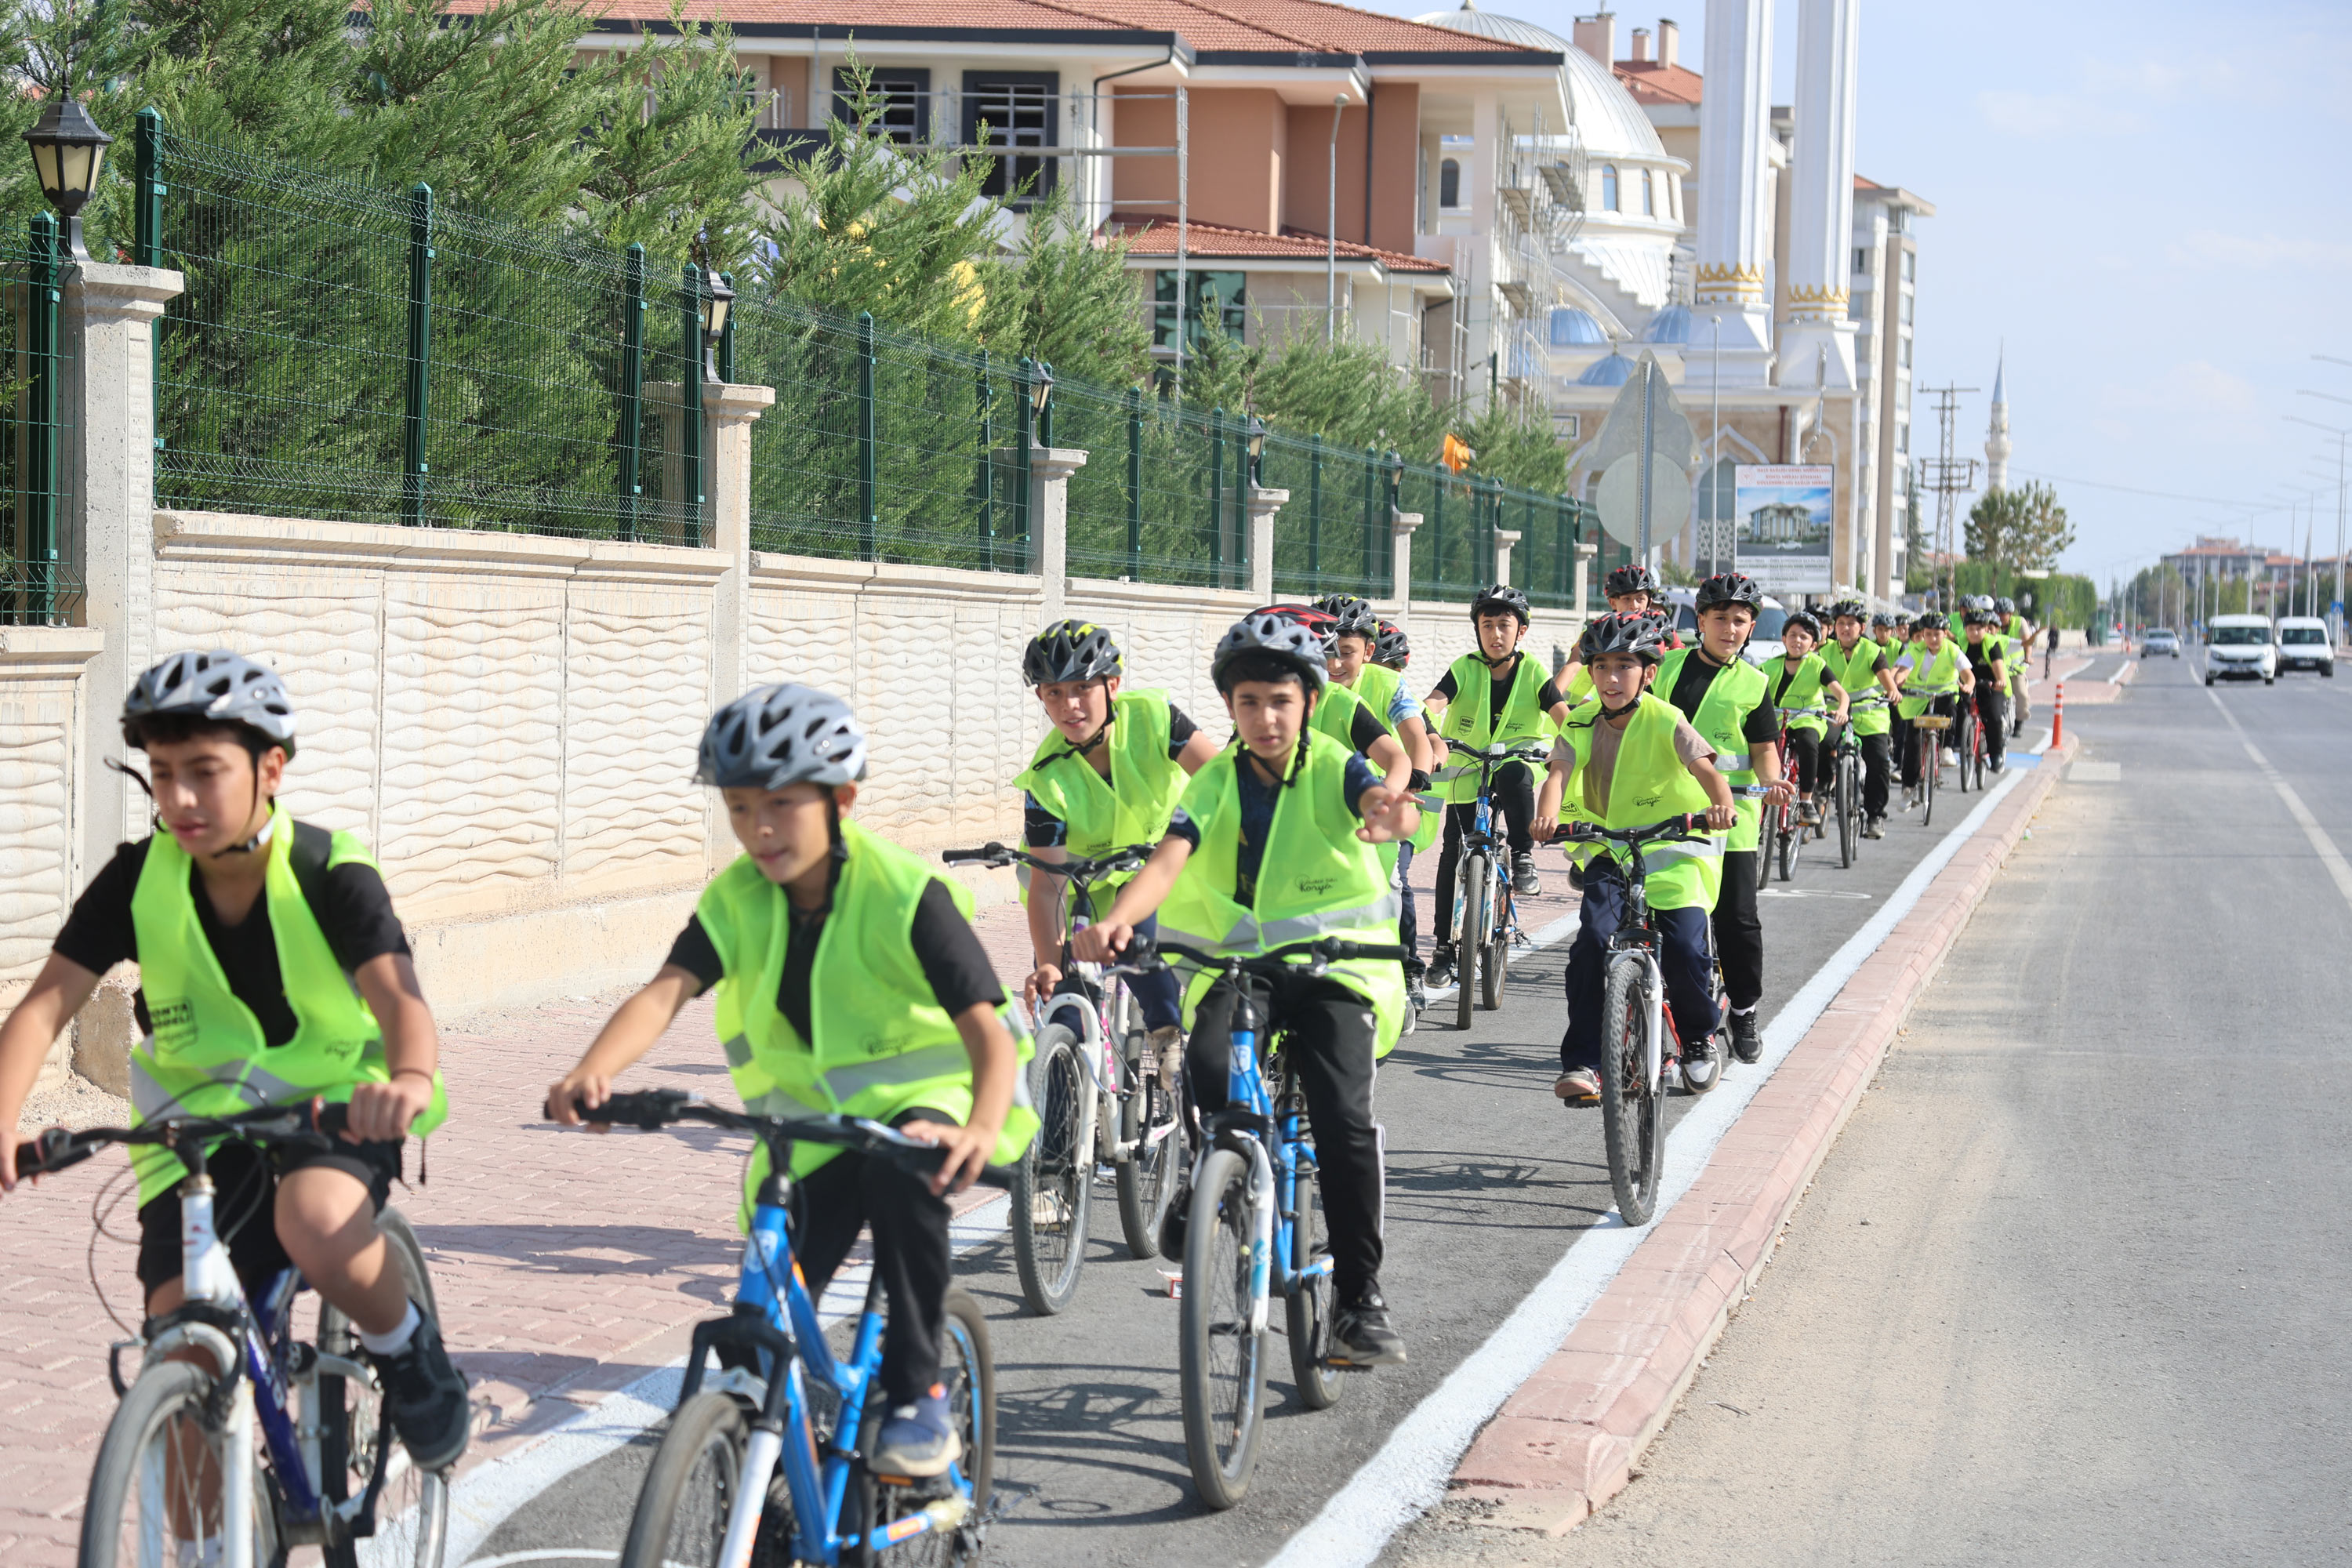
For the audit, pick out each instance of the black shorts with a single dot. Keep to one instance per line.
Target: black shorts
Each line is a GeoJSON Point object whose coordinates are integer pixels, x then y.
{"type": "Point", "coordinates": [245, 1189]}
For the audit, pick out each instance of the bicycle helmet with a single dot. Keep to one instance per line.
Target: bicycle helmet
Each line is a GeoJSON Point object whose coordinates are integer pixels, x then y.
{"type": "Point", "coordinates": [1728, 588]}
{"type": "Point", "coordinates": [1929, 620]}
{"type": "Point", "coordinates": [220, 688]}
{"type": "Point", "coordinates": [1881, 619]}
{"type": "Point", "coordinates": [1803, 620]}
{"type": "Point", "coordinates": [2005, 605]}
{"type": "Point", "coordinates": [1070, 650]}
{"type": "Point", "coordinates": [1637, 635]}
{"type": "Point", "coordinates": [1631, 578]}
{"type": "Point", "coordinates": [1270, 635]}
{"type": "Point", "coordinates": [1849, 609]}
{"type": "Point", "coordinates": [1322, 623]}
{"type": "Point", "coordinates": [773, 736]}
{"type": "Point", "coordinates": [1350, 617]}
{"type": "Point", "coordinates": [1501, 597]}
{"type": "Point", "coordinates": [1392, 648]}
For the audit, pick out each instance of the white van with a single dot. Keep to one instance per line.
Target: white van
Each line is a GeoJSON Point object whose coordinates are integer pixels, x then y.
{"type": "Point", "coordinates": [2303, 645]}
{"type": "Point", "coordinates": [1763, 643]}
{"type": "Point", "coordinates": [2240, 646]}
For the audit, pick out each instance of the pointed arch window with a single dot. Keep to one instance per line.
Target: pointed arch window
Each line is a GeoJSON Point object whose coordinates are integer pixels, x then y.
{"type": "Point", "coordinates": [1608, 187]}
{"type": "Point", "coordinates": [1649, 197]}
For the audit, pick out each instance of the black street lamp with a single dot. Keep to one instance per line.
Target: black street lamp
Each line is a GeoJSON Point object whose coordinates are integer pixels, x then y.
{"type": "Point", "coordinates": [1255, 432]}
{"type": "Point", "coordinates": [718, 299]}
{"type": "Point", "coordinates": [1041, 402]}
{"type": "Point", "coordinates": [68, 151]}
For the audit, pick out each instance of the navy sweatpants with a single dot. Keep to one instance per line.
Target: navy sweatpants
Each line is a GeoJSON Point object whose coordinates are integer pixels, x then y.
{"type": "Point", "coordinates": [1690, 983]}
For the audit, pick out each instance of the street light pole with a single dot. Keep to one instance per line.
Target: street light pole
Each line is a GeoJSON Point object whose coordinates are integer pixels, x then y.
{"type": "Point", "coordinates": [1714, 454]}
{"type": "Point", "coordinates": [2342, 434]}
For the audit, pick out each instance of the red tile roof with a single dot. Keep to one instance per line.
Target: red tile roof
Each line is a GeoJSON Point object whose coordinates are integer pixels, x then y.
{"type": "Point", "coordinates": [1651, 82]}
{"type": "Point", "coordinates": [1262, 26]}
{"type": "Point", "coordinates": [1157, 237]}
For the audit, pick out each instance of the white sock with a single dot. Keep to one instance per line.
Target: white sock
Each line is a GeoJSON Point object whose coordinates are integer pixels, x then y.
{"type": "Point", "coordinates": [1743, 1012]}
{"type": "Point", "coordinates": [395, 1342]}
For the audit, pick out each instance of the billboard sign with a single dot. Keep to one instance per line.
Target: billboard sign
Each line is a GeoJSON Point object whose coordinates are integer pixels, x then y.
{"type": "Point", "coordinates": [1783, 522]}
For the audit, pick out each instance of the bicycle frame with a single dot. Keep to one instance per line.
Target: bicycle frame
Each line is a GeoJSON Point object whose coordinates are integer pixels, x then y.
{"type": "Point", "coordinates": [1274, 1175]}
{"type": "Point", "coordinates": [1481, 837]}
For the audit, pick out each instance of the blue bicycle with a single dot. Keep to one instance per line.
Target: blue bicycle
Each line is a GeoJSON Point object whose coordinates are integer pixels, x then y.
{"type": "Point", "coordinates": [230, 1405]}
{"type": "Point", "coordinates": [1255, 1228]}
{"type": "Point", "coordinates": [781, 1402]}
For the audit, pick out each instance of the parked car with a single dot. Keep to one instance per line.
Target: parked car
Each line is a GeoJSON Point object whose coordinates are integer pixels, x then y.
{"type": "Point", "coordinates": [2161, 640]}
{"type": "Point", "coordinates": [2303, 645]}
{"type": "Point", "coordinates": [2240, 648]}
{"type": "Point", "coordinates": [1763, 643]}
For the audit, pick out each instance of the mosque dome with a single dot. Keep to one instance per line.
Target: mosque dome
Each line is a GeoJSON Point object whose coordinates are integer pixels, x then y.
{"type": "Point", "coordinates": [1574, 328]}
{"type": "Point", "coordinates": [1614, 371]}
{"type": "Point", "coordinates": [1670, 325]}
{"type": "Point", "coordinates": [1611, 123]}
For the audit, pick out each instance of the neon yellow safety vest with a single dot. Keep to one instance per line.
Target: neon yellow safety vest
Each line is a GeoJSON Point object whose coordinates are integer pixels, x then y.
{"type": "Point", "coordinates": [1376, 686]}
{"type": "Point", "coordinates": [1803, 704]}
{"type": "Point", "coordinates": [883, 1044]}
{"type": "Point", "coordinates": [1737, 689]}
{"type": "Point", "coordinates": [1649, 784]}
{"type": "Point", "coordinates": [1335, 714]}
{"type": "Point", "coordinates": [207, 1055]}
{"type": "Point", "coordinates": [1468, 721]}
{"type": "Point", "coordinates": [1866, 698]}
{"type": "Point", "coordinates": [1929, 678]}
{"type": "Point", "coordinates": [1132, 805]}
{"type": "Point", "coordinates": [1316, 878]}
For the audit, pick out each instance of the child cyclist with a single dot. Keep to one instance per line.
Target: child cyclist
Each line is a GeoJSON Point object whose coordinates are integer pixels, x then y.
{"type": "Point", "coordinates": [849, 980]}
{"type": "Point", "coordinates": [1357, 632]}
{"type": "Point", "coordinates": [1492, 696]}
{"type": "Point", "coordinates": [1106, 777]}
{"type": "Point", "coordinates": [1393, 651]}
{"type": "Point", "coordinates": [1989, 662]}
{"type": "Point", "coordinates": [272, 969]}
{"type": "Point", "coordinates": [1860, 667]}
{"type": "Point", "coordinates": [1280, 833]}
{"type": "Point", "coordinates": [1811, 702]}
{"type": "Point", "coordinates": [1628, 759]}
{"type": "Point", "coordinates": [1631, 590]}
{"type": "Point", "coordinates": [1932, 675]}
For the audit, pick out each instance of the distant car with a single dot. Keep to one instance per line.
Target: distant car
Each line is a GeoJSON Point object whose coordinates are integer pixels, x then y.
{"type": "Point", "coordinates": [2161, 640]}
{"type": "Point", "coordinates": [2240, 648]}
{"type": "Point", "coordinates": [2303, 645]}
{"type": "Point", "coordinates": [1763, 643]}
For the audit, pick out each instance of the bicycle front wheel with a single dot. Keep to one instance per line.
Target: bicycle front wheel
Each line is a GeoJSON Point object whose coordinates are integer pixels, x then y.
{"type": "Point", "coordinates": [1848, 807]}
{"type": "Point", "coordinates": [1222, 1362]}
{"type": "Point", "coordinates": [1494, 964]}
{"type": "Point", "coordinates": [155, 1492]}
{"type": "Point", "coordinates": [1633, 1109]}
{"type": "Point", "coordinates": [689, 1489]}
{"type": "Point", "coordinates": [355, 1438]}
{"type": "Point", "coordinates": [1307, 1313]}
{"type": "Point", "coordinates": [1476, 878]}
{"type": "Point", "coordinates": [1928, 768]}
{"type": "Point", "coordinates": [1789, 836]}
{"type": "Point", "coordinates": [1147, 1181]}
{"type": "Point", "coordinates": [1054, 1184]}
{"type": "Point", "coordinates": [968, 1375]}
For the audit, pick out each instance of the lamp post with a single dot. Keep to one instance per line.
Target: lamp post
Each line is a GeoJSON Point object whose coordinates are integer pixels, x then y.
{"type": "Point", "coordinates": [1040, 403]}
{"type": "Point", "coordinates": [1715, 452]}
{"type": "Point", "coordinates": [1254, 432]}
{"type": "Point", "coordinates": [717, 301]}
{"type": "Point", "coordinates": [68, 150]}
{"type": "Point", "coordinates": [2342, 436]}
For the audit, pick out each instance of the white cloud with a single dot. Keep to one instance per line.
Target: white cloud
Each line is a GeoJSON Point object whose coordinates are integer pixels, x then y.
{"type": "Point", "coordinates": [2053, 116]}
{"type": "Point", "coordinates": [2253, 252]}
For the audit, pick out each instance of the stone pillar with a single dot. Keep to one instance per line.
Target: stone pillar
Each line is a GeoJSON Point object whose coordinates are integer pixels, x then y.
{"type": "Point", "coordinates": [1585, 551]}
{"type": "Point", "coordinates": [728, 411]}
{"type": "Point", "coordinates": [1050, 469]}
{"type": "Point", "coordinates": [1263, 504]}
{"type": "Point", "coordinates": [110, 401]}
{"type": "Point", "coordinates": [1821, 204]}
{"type": "Point", "coordinates": [1402, 525]}
{"type": "Point", "coordinates": [1734, 223]}
{"type": "Point", "coordinates": [1503, 539]}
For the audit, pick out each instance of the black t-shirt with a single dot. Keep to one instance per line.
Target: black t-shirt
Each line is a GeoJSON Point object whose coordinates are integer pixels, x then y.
{"type": "Point", "coordinates": [1500, 693]}
{"type": "Point", "coordinates": [1041, 830]}
{"type": "Point", "coordinates": [354, 911]}
{"type": "Point", "coordinates": [1980, 657]}
{"type": "Point", "coordinates": [1257, 798]}
{"type": "Point", "coordinates": [1763, 723]}
{"type": "Point", "coordinates": [944, 943]}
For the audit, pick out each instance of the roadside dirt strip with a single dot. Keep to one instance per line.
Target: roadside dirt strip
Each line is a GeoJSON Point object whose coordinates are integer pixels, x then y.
{"type": "Point", "coordinates": [1567, 1441]}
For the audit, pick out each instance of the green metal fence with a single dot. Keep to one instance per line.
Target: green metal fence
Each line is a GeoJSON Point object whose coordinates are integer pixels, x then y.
{"type": "Point", "coordinates": [1549, 527]}
{"type": "Point", "coordinates": [40, 561]}
{"type": "Point", "coordinates": [1453, 552]}
{"type": "Point", "coordinates": [1332, 536]}
{"type": "Point", "coordinates": [1162, 496]}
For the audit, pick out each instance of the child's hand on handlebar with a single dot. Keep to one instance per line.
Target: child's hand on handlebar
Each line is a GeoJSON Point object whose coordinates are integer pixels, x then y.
{"type": "Point", "coordinates": [1040, 983]}
{"type": "Point", "coordinates": [1101, 943]}
{"type": "Point", "coordinates": [968, 1149]}
{"type": "Point", "coordinates": [590, 1089]}
{"type": "Point", "coordinates": [1721, 818]}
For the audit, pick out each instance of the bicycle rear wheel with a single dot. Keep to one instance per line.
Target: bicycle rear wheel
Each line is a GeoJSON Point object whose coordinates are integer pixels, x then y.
{"type": "Point", "coordinates": [1790, 835]}
{"type": "Point", "coordinates": [1221, 1364]}
{"type": "Point", "coordinates": [355, 1437]}
{"type": "Point", "coordinates": [1054, 1184]}
{"type": "Point", "coordinates": [1632, 1111]}
{"type": "Point", "coordinates": [155, 1492]}
{"type": "Point", "coordinates": [1477, 879]}
{"type": "Point", "coordinates": [1765, 829]}
{"type": "Point", "coordinates": [1849, 807]}
{"type": "Point", "coordinates": [968, 1373]}
{"type": "Point", "coordinates": [1307, 1313]}
{"type": "Point", "coordinates": [1966, 748]}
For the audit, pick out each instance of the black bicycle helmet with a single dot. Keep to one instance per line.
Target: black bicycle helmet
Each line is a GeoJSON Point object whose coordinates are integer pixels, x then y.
{"type": "Point", "coordinates": [1275, 633]}
{"type": "Point", "coordinates": [1849, 609]}
{"type": "Point", "coordinates": [1631, 578]}
{"type": "Point", "coordinates": [773, 736]}
{"type": "Point", "coordinates": [220, 688]}
{"type": "Point", "coordinates": [1392, 648]}
{"type": "Point", "coordinates": [1070, 650]}
{"type": "Point", "coordinates": [1728, 588]}
{"type": "Point", "coordinates": [1639, 636]}
{"type": "Point", "coordinates": [1804, 620]}
{"type": "Point", "coordinates": [1502, 596]}
{"type": "Point", "coordinates": [1350, 617]}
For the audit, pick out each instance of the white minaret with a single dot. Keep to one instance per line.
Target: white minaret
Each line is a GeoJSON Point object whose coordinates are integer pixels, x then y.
{"type": "Point", "coordinates": [1734, 227]}
{"type": "Point", "coordinates": [1821, 200]}
{"type": "Point", "coordinates": [1997, 436]}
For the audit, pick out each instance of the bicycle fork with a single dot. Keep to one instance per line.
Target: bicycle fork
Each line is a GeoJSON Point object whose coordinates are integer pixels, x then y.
{"type": "Point", "coordinates": [1653, 1048]}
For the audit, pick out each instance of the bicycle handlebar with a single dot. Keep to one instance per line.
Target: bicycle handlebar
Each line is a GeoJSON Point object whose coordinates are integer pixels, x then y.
{"type": "Point", "coordinates": [1689, 825]}
{"type": "Point", "coordinates": [1079, 868]}
{"type": "Point", "coordinates": [650, 1110]}
{"type": "Point", "coordinates": [310, 1122]}
{"type": "Point", "coordinates": [1143, 956]}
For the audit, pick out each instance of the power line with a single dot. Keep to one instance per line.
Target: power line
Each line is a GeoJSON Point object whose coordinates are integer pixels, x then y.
{"type": "Point", "coordinates": [2253, 507]}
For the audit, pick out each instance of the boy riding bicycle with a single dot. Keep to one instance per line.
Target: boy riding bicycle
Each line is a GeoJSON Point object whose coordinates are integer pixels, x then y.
{"type": "Point", "coordinates": [1628, 759]}
{"type": "Point", "coordinates": [1988, 658]}
{"type": "Point", "coordinates": [1932, 675]}
{"type": "Point", "coordinates": [1860, 665]}
{"type": "Point", "coordinates": [272, 970]}
{"type": "Point", "coordinates": [1811, 704]}
{"type": "Point", "coordinates": [1278, 835]}
{"type": "Point", "coordinates": [849, 980]}
{"type": "Point", "coordinates": [1358, 634]}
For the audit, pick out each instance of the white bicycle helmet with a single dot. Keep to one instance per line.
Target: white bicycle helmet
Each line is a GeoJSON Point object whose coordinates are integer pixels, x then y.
{"type": "Point", "coordinates": [773, 736]}
{"type": "Point", "coordinates": [220, 687]}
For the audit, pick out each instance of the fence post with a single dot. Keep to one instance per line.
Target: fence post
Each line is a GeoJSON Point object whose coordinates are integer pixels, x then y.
{"type": "Point", "coordinates": [983, 479]}
{"type": "Point", "coordinates": [38, 536]}
{"type": "Point", "coordinates": [1437, 532]}
{"type": "Point", "coordinates": [1315, 510]}
{"type": "Point", "coordinates": [1217, 497]}
{"type": "Point", "coordinates": [1135, 484]}
{"type": "Point", "coordinates": [420, 355]}
{"type": "Point", "coordinates": [632, 385]}
{"type": "Point", "coordinates": [1023, 439]}
{"type": "Point", "coordinates": [147, 200]}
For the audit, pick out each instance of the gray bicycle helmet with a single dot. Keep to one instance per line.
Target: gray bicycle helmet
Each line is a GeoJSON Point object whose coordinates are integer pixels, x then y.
{"type": "Point", "coordinates": [1392, 648]}
{"type": "Point", "coordinates": [2005, 605]}
{"type": "Point", "coordinates": [1631, 578]}
{"type": "Point", "coordinates": [1275, 633]}
{"type": "Point", "coordinates": [1804, 618]}
{"type": "Point", "coordinates": [1350, 617]}
{"type": "Point", "coordinates": [220, 687]}
{"type": "Point", "coordinates": [1641, 636]}
{"type": "Point", "coordinates": [773, 736]}
{"type": "Point", "coordinates": [1728, 588]}
{"type": "Point", "coordinates": [1070, 650]}
{"type": "Point", "coordinates": [1849, 609]}
{"type": "Point", "coordinates": [1502, 596]}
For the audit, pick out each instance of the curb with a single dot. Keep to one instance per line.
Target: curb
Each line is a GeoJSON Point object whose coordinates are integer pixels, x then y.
{"type": "Point", "coordinates": [1567, 1441]}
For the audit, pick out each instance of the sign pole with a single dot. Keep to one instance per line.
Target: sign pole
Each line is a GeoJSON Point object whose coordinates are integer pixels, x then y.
{"type": "Point", "coordinates": [1648, 440]}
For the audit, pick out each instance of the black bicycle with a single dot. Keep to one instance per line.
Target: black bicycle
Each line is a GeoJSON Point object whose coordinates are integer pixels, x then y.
{"type": "Point", "coordinates": [1487, 916]}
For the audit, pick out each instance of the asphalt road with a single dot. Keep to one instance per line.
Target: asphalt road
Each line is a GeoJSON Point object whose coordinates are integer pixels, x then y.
{"type": "Point", "coordinates": [1490, 1182]}
{"type": "Point", "coordinates": [2069, 1287]}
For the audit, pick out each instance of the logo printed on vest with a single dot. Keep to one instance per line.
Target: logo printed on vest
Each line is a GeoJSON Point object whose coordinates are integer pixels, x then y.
{"type": "Point", "coordinates": [1316, 885]}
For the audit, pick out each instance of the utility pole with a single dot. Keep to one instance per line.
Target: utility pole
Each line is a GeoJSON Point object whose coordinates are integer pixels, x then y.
{"type": "Point", "coordinates": [1950, 478]}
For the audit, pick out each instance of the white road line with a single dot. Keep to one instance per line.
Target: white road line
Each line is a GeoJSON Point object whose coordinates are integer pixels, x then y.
{"type": "Point", "coordinates": [2321, 845]}
{"type": "Point", "coordinates": [1409, 1474]}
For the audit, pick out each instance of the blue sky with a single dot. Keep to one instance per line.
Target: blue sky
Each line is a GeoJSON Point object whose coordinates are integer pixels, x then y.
{"type": "Point", "coordinates": [2152, 204]}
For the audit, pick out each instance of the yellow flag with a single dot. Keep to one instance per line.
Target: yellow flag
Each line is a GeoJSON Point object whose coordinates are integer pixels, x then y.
{"type": "Point", "coordinates": [1455, 454]}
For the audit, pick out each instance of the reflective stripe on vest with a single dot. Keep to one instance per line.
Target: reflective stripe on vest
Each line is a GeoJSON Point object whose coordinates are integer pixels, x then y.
{"type": "Point", "coordinates": [1649, 784]}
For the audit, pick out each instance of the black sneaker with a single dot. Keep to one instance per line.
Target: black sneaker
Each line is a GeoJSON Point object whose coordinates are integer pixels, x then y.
{"type": "Point", "coordinates": [425, 1397]}
{"type": "Point", "coordinates": [1416, 991]}
{"type": "Point", "coordinates": [1171, 1224]}
{"type": "Point", "coordinates": [1523, 881]}
{"type": "Point", "coordinates": [1362, 1335]}
{"type": "Point", "coordinates": [1747, 1041]}
{"type": "Point", "coordinates": [1441, 967]}
{"type": "Point", "coordinates": [1700, 1052]}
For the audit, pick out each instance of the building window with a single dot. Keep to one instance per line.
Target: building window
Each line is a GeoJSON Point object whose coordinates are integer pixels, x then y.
{"type": "Point", "coordinates": [1907, 310]}
{"type": "Point", "coordinates": [1014, 109]}
{"type": "Point", "coordinates": [901, 101]}
{"type": "Point", "coordinates": [1674, 197]}
{"type": "Point", "coordinates": [1219, 298]}
{"type": "Point", "coordinates": [1649, 202]}
{"type": "Point", "coordinates": [1449, 182]}
{"type": "Point", "coordinates": [1608, 187]}
{"type": "Point", "coordinates": [1903, 351]}
{"type": "Point", "coordinates": [1862, 260]}
{"type": "Point", "coordinates": [1903, 437]}
{"type": "Point", "coordinates": [1910, 265]}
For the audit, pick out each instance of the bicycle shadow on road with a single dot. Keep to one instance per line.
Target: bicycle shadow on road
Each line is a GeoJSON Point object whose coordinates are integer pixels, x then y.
{"type": "Point", "coordinates": [704, 1262]}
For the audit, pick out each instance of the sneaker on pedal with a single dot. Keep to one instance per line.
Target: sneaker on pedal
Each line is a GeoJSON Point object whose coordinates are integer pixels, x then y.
{"type": "Point", "coordinates": [1579, 1086]}
{"type": "Point", "coordinates": [1809, 814]}
{"type": "Point", "coordinates": [425, 1397]}
{"type": "Point", "coordinates": [1441, 966]}
{"type": "Point", "coordinates": [1167, 1047]}
{"type": "Point", "coordinates": [1875, 828]}
{"type": "Point", "coordinates": [1698, 1053]}
{"type": "Point", "coordinates": [916, 1440]}
{"type": "Point", "coordinates": [1523, 881]}
{"type": "Point", "coordinates": [1746, 1039]}
{"type": "Point", "coordinates": [1362, 1334]}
